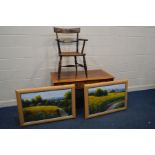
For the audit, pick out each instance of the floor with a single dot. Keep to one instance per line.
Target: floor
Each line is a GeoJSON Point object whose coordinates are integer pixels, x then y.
{"type": "Point", "coordinates": [139, 115]}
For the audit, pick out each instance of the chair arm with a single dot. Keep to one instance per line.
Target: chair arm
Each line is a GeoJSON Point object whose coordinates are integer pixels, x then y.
{"type": "Point", "coordinates": [80, 39]}
{"type": "Point", "coordinates": [84, 41]}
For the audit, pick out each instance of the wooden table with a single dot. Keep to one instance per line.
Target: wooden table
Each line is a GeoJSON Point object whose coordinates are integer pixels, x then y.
{"type": "Point", "coordinates": [79, 80]}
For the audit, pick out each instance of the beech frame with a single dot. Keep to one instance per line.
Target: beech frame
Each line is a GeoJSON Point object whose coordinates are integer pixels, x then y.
{"type": "Point", "coordinates": [86, 104]}
{"type": "Point", "coordinates": [19, 92]}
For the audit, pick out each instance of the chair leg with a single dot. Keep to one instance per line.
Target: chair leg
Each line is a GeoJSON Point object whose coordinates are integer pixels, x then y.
{"type": "Point", "coordinates": [85, 65]}
{"type": "Point", "coordinates": [59, 68]}
{"type": "Point", "coordinates": [75, 58]}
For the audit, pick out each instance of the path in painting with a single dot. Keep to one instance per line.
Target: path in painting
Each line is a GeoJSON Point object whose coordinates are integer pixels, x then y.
{"type": "Point", "coordinates": [115, 105]}
{"type": "Point", "coordinates": [62, 112]}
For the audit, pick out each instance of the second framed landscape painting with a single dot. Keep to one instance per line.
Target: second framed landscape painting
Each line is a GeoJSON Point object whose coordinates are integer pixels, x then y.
{"type": "Point", "coordinates": [46, 104]}
{"type": "Point", "coordinates": [106, 97]}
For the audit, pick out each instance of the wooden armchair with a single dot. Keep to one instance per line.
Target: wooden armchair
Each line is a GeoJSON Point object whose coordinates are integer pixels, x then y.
{"type": "Point", "coordinates": [76, 53]}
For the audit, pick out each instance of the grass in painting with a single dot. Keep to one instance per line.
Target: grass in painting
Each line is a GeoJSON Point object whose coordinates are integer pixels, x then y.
{"type": "Point", "coordinates": [47, 105]}
{"type": "Point", "coordinates": [106, 98]}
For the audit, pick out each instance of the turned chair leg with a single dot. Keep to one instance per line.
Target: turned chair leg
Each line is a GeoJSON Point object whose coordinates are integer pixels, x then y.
{"type": "Point", "coordinates": [75, 58]}
{"type": "Point", "coordinates": [85, 65]}
{"type": "Point", "coordinates": [59, 68]}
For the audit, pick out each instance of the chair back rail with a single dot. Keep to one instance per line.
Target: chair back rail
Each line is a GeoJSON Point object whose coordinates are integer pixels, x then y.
{"type": "Point", "coordinates": [58, 31]}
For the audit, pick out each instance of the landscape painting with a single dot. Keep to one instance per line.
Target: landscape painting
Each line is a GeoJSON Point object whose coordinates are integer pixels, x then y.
{"type": "Point", "coordinates": [44, 105]}
{"type": "Point", "coordinates": [105, 98]}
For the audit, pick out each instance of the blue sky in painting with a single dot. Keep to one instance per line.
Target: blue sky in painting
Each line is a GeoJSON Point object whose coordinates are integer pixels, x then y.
{"type": "Point", "coordinates": [115, 87]}
{"type": "Point", "coordinates": [46, 95]}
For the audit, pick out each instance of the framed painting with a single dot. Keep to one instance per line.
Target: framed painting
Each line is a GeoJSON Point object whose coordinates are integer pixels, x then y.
{"type": "Point", "coordinates": [46, 104]}
{"type": "Point", "coordinates": [106, 97]}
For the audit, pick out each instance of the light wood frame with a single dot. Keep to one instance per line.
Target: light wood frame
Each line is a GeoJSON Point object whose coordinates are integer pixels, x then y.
{"type": "Point", "coordinates": [44, 89]}
{"type": "Point", "coordinates": [86, 104]}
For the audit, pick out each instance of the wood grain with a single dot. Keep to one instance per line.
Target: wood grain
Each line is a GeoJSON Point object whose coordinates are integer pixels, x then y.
{"type": "Point", "coordinates": [66, 30]}
{"type": "Point", "coordinates": [80, 79]}
{"type": "Point", "coordinates": [67, 54]}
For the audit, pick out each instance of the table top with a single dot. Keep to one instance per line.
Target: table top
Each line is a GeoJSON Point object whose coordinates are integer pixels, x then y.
{"type": "Point", "coordinates": [71, 76]}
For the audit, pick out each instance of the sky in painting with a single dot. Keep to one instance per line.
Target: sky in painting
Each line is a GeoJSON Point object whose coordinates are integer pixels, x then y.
{"type": "Point", "coordinates": [46, 95]}
{"type": "Point", "coordinates": [115, 87]}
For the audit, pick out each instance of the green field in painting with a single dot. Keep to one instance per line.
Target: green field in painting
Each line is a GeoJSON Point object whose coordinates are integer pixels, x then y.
{"type": "Point", "coordinates": [43, 112]}
{"type": "Point", "coordinates": [112, 100]}
{"type": "Point", "coordinates": [36, 109]}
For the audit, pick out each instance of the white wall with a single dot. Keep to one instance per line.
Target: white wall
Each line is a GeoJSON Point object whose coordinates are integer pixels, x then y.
{"type": "Point", "coordinates": [29, 54]}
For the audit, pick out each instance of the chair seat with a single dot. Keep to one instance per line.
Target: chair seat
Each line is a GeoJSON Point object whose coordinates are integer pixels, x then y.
{"type": "Point", "coordinates": [72, 54]}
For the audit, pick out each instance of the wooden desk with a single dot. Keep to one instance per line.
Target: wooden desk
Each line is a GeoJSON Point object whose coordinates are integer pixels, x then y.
{"type": "Point", "coordinates": [79, 80]}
